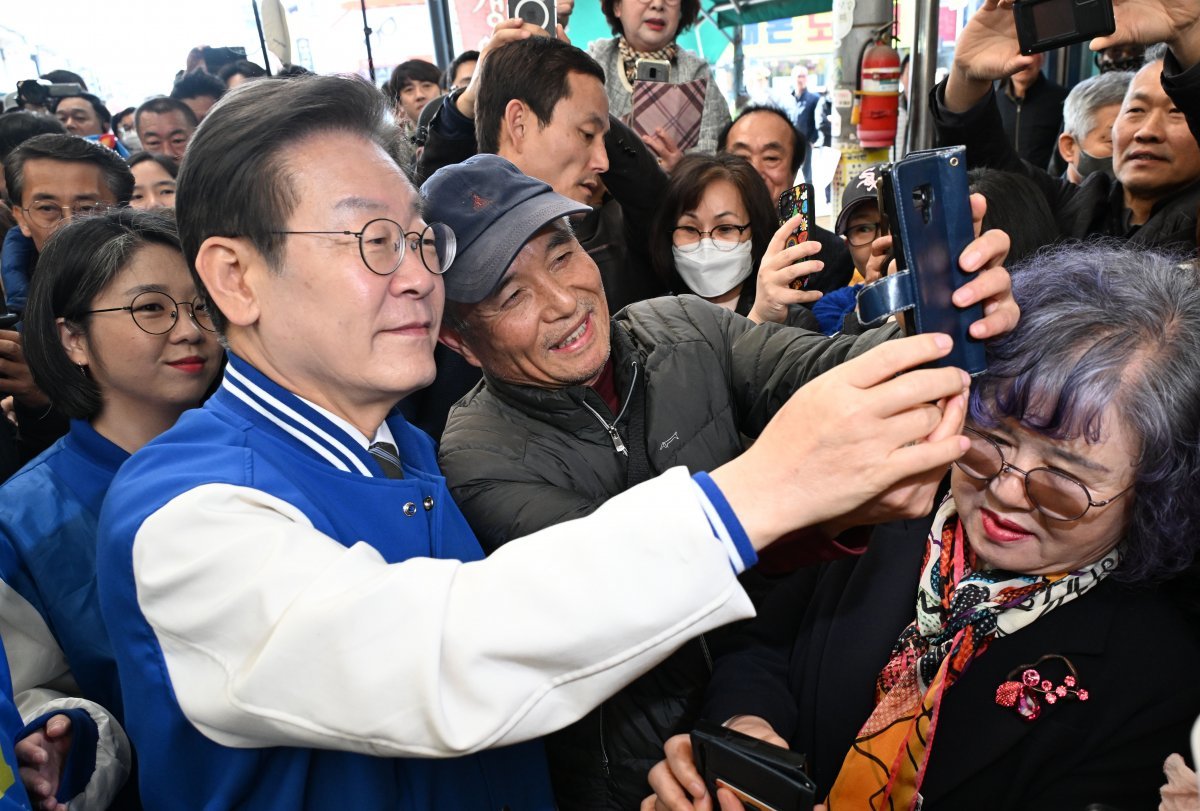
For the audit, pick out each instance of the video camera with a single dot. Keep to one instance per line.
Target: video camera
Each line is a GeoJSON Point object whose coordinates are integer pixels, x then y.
{"type": "Point", "coordinates": [39, 92]}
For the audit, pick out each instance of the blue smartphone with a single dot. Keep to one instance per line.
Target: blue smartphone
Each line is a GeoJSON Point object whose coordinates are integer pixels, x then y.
{"type": "Point", "coordinates": [926, 199]}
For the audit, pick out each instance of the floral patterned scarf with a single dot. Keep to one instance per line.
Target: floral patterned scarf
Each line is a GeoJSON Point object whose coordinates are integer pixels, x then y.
{"type": "Point", "coordinates": [960, 609]}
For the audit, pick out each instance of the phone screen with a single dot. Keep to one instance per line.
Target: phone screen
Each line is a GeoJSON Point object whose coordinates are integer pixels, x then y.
{"type": "Point", "coordinates": [1054, 19]}
{"type": "Point", "coordinates": [1046, 24]}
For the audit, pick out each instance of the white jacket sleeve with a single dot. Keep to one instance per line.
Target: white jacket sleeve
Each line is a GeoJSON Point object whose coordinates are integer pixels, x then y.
{"type": "Point", "coordinates": [42, 683]}
{"type": "Point", "coordinates": [277, 635]}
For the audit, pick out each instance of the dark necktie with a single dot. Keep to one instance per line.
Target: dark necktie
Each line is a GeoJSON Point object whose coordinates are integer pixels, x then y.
{"type": "Point", "coordinates": [386, 455]}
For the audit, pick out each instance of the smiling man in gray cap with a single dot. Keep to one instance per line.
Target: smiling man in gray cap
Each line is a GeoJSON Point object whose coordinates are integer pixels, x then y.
{"type": "Point", "coordinates": [576, 407]}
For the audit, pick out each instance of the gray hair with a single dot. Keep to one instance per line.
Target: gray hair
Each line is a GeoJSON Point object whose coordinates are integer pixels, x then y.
{"type": "Point", "coordinates": [1155, 53]}
{"type": "Point", "coordinates": [1110, 326]}
{"type": "Point", "coordinates": [1088, 97]}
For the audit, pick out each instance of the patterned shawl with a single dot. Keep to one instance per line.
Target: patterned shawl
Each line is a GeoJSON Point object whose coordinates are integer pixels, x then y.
{"type": "Point", "coordinates": [960, 609]}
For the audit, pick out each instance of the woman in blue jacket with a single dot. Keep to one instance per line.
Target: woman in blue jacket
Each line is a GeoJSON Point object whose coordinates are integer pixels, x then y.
{"type": "Point", "coordinates": [117, 337]}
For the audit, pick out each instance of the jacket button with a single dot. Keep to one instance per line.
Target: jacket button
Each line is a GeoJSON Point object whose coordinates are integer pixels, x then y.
{"type": "Point", "coordinates": [428, 503]}
{"type": "Point", "coordinates": [410, 509]}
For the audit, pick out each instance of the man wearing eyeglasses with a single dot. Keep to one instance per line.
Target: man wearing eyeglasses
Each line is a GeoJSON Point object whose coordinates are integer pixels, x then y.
{"type": "Point", "coordinates": [50, 178]}
{"type": "Point", "coordinates": [299, 611]}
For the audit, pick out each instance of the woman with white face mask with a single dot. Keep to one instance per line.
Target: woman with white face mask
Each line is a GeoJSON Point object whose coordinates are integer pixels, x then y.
{"type": "Point", "coordinates": [716, 236]}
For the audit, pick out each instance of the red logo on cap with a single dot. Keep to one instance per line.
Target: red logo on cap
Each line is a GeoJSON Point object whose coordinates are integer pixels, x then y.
{"type": "Point", "coordinates": [478, 202]}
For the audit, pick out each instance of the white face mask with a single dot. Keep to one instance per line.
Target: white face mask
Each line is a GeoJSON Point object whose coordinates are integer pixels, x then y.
{"type": "Point", "coordinates": [709, 271]}
{"type": "Point", "coordinates": [131, 140]}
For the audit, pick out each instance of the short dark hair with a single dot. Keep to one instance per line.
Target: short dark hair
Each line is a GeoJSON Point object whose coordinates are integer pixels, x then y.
{"type": "Point", "coordinates": [689, 180]}
{"type": "Point", "coordinates": [118, 116]}
{"type": "Point", "coordinates": [292, 71]}
{"type": "Point", "coordinates": [799, 142]}
{"type": "Point", "coordinates": [689, 12]}
{"type": "Point", "coordinates": [117, 176]}
{"type": "Point", "coordinates": [197, 83]}
{"type": "Point", "coordinates": [165, 161]}
{"type": "Point", "coordinates": [1106, 325]}
{"type": "Point", "coordinates": [414, 70]}
{"type": "Point", "coordinates": [164, 104]}
{"type": "Point", "coordinates": [101, 110]}
{"type": "Point", "coordinates": [465, 56]}
{"type": "Point", "coordinates": [64, 77]}
{"type": "Point", "coordinates": [77, 263]}
{"type": "Point", "coordinates": [534, 71]}
{"type": "Point", "coordinates": [1016, 206]}
{"type": "Point", "coordinates": [242, 67]}
{"type": "Point", "coordinates": [17, 126]}
{"type": "Point", "coordinates": [236, 181]}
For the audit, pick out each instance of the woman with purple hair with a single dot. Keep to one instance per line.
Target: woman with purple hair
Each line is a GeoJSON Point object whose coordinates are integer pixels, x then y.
{"type": "Point", "coordinates": [1020, 651]}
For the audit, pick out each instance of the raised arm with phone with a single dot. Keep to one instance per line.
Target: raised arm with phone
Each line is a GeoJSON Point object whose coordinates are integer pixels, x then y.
{"type": "Point", "coordinates": [1156, 161]}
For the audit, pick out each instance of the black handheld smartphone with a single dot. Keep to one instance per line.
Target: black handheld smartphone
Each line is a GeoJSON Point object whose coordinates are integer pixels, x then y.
{"type": "Point", "coordinates": [763, 776]}
{"type": "Point", "coordinates": [1043, 25]}
{"type": "Point", "coordinates": [797, 200]}
{"type": "Point", "coordinates": [542, 13]}
{"type": "Point", "coordinates": [653, 70]}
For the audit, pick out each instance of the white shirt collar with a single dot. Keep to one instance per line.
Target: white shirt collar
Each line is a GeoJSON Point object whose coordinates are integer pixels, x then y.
{"type": "Point", "coordinates": [382, 434]}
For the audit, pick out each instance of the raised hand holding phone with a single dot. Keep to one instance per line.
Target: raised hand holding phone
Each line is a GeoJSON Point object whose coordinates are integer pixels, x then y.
{"type": "Point", "coordinates": [786, 261]}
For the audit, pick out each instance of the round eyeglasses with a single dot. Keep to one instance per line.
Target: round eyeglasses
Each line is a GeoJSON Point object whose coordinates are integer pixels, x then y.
{"type": "Point", "coordinates": [382, 243]}
{"type": "Point", "coordinates": [156, 313]}
{"type": "Point", "coordinates": [724, 237]}
{"type": "Point", "coordinates": [47, 214]}
{"type": "Point", "coordinates": [1054, 493]}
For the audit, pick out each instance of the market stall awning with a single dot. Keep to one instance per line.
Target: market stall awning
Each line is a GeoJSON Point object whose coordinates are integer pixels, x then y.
{"type": "Point", "coordinates": [731, 13]}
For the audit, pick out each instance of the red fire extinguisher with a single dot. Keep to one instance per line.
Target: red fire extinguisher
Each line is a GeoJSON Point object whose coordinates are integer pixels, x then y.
{"type": "Point", "coordinates": [879, 83]}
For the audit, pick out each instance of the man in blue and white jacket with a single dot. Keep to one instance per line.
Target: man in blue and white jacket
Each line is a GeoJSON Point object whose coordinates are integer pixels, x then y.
{"type": "Point", "coordinates": [300, 614]}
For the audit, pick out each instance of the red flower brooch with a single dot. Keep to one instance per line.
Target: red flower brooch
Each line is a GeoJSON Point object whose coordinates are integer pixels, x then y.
{"type": "Point", "coordinates": [1026, 695]}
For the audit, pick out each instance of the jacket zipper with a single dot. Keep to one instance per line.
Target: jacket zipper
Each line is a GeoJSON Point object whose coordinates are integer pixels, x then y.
{"type": "Point", "coordinates": [1017, 129]}
{"type": "Point", "coordinates": [619, 447]}
{"type": "Point", "coordinates": [618, 443]}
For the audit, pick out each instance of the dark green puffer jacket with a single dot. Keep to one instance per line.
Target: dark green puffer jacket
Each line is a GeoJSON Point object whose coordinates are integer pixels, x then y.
{"type": "Point", "coordinates": [519, 459]}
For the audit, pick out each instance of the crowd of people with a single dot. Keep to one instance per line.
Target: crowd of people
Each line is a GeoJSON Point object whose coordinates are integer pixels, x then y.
{"type": "Point", "coordinates": [451, 445]}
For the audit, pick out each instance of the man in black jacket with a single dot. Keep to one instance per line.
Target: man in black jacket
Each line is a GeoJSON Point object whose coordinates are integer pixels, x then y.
{"type": "Point", "coordinates": [575, 408]}
{"type": "Point", "coordinates": [1031, 107]}
{"type": "Point", "coordinates": [1155, 196]}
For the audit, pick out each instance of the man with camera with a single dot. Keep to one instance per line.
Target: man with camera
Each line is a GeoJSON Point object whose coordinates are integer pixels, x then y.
{"type": "Point", "coordinates": [1156, 192]}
